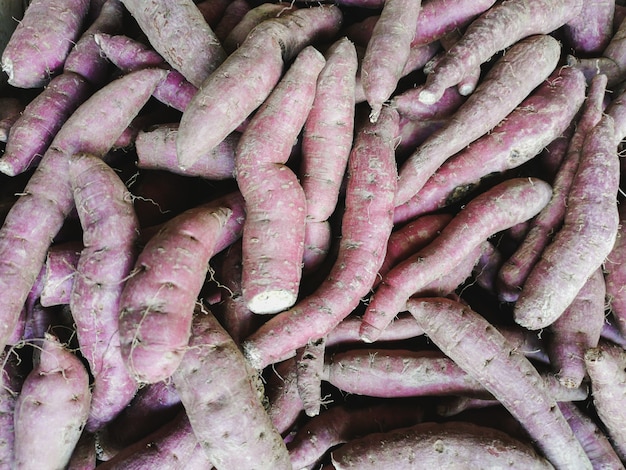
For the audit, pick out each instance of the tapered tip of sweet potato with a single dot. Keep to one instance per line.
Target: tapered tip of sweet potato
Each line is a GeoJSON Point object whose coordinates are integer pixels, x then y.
{"type": "Point", "coordinates": [368, 333]}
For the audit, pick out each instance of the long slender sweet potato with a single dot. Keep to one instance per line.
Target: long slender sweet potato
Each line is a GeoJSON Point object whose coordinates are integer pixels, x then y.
{"type": "Point", "coordinates": [438, 445]}
{"type": "Point", "coordinates": [156, 150]}
{"type": "Point", "coordinates": [508, 82]}
{"type": "Point", "coordinates": [387, 51]}
{"type": "Point", "coordinates": [11, 380]}
{"type": "Point", "coordinates": [274, 229]}
{"type": "Point", "coordinates": [499, 27]}
{"type": "Point", "coordinates": [110, 232]}
{"type": "Point", "coordinates": [589, 230]}
{"type": "Point", "coordinates": [85, 58]}
{"type": "Point", "coordinates": [366, 225]}
{"type": "Point", "coordinates": [488, 213]}
{"type": "Point", "coordinates": [539, 119]}
{"type": "Point", "coordinates": [517, 267]}
{"type": "Point", "coordinates": [591, 437]}
{"type": "Point", "coordinates": [479, 349]}
{"type": "Point", "coordinates": [34, 53]}
{"type": "Point", "coordinates": [93, 127]}
{"type": "Point", "coordinates": [32, 133]}
{"type": "Point", "coordinates": [178, 32]}
{"type": "Point", "coordinates": [222, 394]}
{"type": "Point", "coordinates": [228, 99]}
{"type": "Point", "coordinates": [37, 439]}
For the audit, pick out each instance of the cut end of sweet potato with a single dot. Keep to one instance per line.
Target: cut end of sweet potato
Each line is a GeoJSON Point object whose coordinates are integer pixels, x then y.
{"type": "Point", "coordinates": [7, 67]}
{"type": "Point", "coordinates": [273, 301]}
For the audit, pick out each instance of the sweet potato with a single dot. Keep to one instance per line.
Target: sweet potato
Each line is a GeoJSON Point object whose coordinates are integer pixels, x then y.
{"type": "Point", "coordinates": [156, 150]}
{"type": "Point", "coordinates": [501, 26]}
{"type": "Point", "coordinates": [366, 225]}
{"type": "Point", "coordinates": [589, 230]}
{"type": "Point", "coordinates": [11, 380]}
{"type": "Point", "coordinates": [110, 232]}
{"type": "Point", "coordinates": [590, 32]}
{"type": "Point", "coordinates": [179, 33]}
{"type": "Point", "coordinates": [129, 55]}
{"type": "Point", "coordinates": [159, 297]}
{"type": "Point", "coordinates": [387, 51]}
{"type": "Point", "coordinates": [606, 368]}
{"type": "Point", "coordinates": [261, 58]}
{"type": "Point", "coordinates": [576, 330]}
{"type": "Point", "coordinates": [52, 407]}
{"type": "Point", "coordinates": [218, 388]}
{"type": "Point", "coordinates": [488, 213]}
{"type": "Point", "coordinates": [341, 424]}
{"type": "Point", "coordinates": [85, 58]}
{"type": "Point", "coordinates": [438, 445]}
{"type": "Point", "coordinates": [479, 349]}
{"type": "Point", "coordinates": [36, 127]}
{"type": "Point", "coordinates": [591, 437]}
{"type": "Point", "coordinates": [507, 83]}
{"type": "Point", "coordinates": [516, 268]}
{"type": "Point", "coordinates": [35, 53]}
{"type": "Point", "coordinates": [274, 229]}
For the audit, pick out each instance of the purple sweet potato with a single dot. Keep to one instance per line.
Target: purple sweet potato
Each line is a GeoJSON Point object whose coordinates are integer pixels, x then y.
{"type": "Point", "coordinates": [589, 231]}
{"type": "Point", "coordinates": [222, 396]}
{"type": "Point", "coordinates": [366, 226]}
{"type": "Point", "coordinates": [35, 52]}
{"type": "Point", "coordinates": [110, 232]}
{"type": "Point", "coordinates": [507, 83]}
{"type": "Point", "coordinates": [438, 445]}
{"type": "Point", "coordinates": [52, 407]}
{"type": "Point", "coordinates": [159, 297]}
{"type": "Point", "coordinates": [487, 356]}
{"type": "Point", "coordinates": [179, 33]}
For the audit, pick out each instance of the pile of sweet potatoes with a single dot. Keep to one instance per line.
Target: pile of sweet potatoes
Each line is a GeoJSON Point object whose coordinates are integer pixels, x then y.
{"type": "Point", "coordinates": [344, 235]}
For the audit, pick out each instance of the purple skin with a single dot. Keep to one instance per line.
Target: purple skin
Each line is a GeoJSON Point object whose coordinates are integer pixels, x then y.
{"type": "Point", "coordinates": [179, 33]}
{"type": "Point", "coordinates": [591, 31]}
{"type": "Point", "coordinates": [592, 438]}
{"type": "Point", "coordinates": [93, 127]}
{"type": "Point", "coordinates": [492, 211]}
{"type": "Point", "coordinates": [46, 32]}
{"type": "Point", "coordinates": [576, 330]}
{"type": "Point", "coordinates": [262, 57]}
{"type": "Point", "coordinates": [537, 121]}
{"type": "Point", "coordinates": [478, 348]}
{"type": "Point", "coordinates": [172, 445]}
{"type": "Point", "coordinates": [452, 444]}
{"type": "Point", "coordinates": [52, 408]}
{"type": "Point", "coordinates": [578, 249]}
{"type": "Point", "coordinates": [606, 366]}
{"type": "Point", "coordinates": [85, 58]}
{"type": "Point", "coordinates": [59, 272]}
{"type": "Point", "coordinates": [156, 150]}
{"type": "Point", "coordinates": [10, 385]}
{"type": "Point", "coordinates": [222, 397]}
{"type": "Point", "coordinates": [161, 295]}
{"type": "Point", "coordinates": [366, 226]}
{"type": "Point", "coordinates": [110, 231]}
{"type": "Point", "coordinates": [496, 29]}
{"type": "Point", "coordinates": [507, 83]}
{"type": "Point", "coordinates": [34, 130]}
{"type": "Point", "coordinates": [516, 268]}
{"type": "Point", "coordinates": [128, 55]}
{"type": "Point", "coordinates": [340, 424]}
